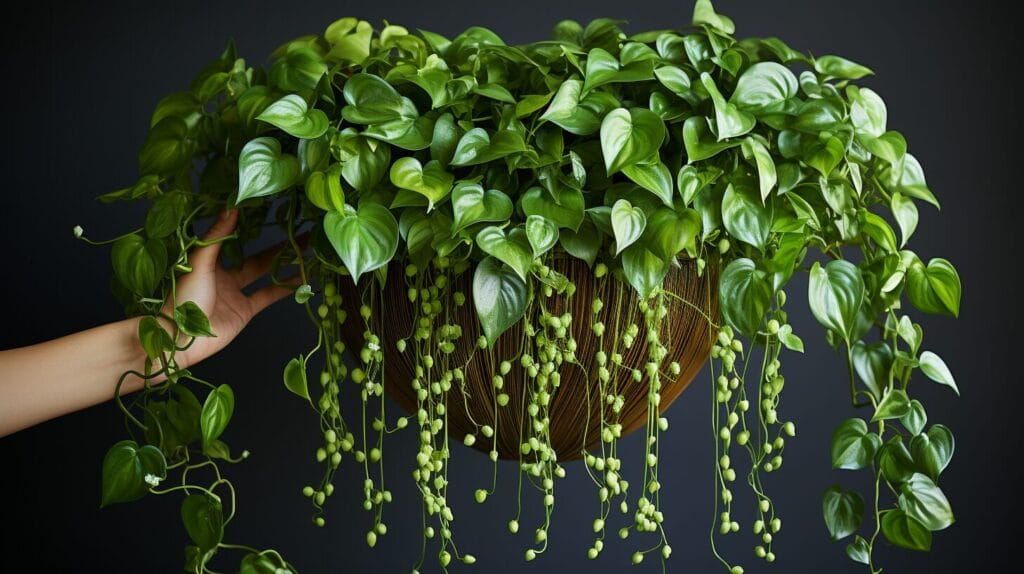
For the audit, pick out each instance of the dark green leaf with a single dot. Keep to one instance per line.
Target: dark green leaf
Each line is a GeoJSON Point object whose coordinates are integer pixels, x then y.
{"type": "Point", "coordinates": [644, 269]}
{"type": "Point", "coordinates": [217, 411]}
{"type": "Point", "coordinates": [744, 295]}
{"type": "Point", "coordinates": [472, 204]}
{"type": "Point", "coordinates": [203, 519]}
{"type": "Point", "coordinates": [168, 148]}
{"type": "Point", "coordinates": [905, 531]}
{"type": "Point", "coordinates": [166, 214]}
{"type": "Point", "coordinates": [499, 295]}
{"type": "Point", "coordinates": [843, 511]}
{"type": "Point", "coordinates": [895, 461]}
{"type": "Point", "coordinates": [153, 338]}
{"type": "Point", "coordinates": [873, 363]}
{"type": "Point", "coordinates": [853, 446]}
{"type": "Point", "coordinates": [921, 499]}
{"type": "Point", "coordinates": [583, 243]}
{"type": "Point", "coordinates": [139, 264]}
{"type": "Point", "coordinates": [858, 550]}
{"type": "Point", "coordinates": [835, 294]}
{"type": "Point", "coordinates": [126, 467]}
{"type": "Point", "coordinates": [192, 321]}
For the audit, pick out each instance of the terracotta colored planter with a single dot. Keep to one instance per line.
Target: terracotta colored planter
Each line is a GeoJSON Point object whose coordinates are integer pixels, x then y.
{"type": "Point", "coordinates": [575, 426]}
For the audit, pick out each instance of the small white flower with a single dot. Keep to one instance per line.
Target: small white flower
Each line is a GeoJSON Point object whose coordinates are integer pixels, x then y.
{"type": "Point", "coordinates": [152, 479]}
{"type": "Point", "coordinates": [373, 346]}
{"type": "Point", "coordinates": [78, 231]}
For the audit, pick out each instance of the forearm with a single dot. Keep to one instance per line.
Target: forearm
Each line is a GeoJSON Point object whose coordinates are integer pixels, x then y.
{"type": "Point", "coordinates": [57, 377]}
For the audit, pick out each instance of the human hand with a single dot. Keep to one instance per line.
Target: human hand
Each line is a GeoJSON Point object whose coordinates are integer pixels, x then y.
{"type": "Point", "coordinates": [218, 291]}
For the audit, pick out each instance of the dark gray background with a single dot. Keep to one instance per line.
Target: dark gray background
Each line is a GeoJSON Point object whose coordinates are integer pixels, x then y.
{"type": "Point", "coordinates": [80, 83]}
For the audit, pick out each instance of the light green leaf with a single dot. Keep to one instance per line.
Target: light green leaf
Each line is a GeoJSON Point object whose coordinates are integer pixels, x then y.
{"type": "Point", "coordinates": [512, 248]}
{"type": "Point", "coordinates": [824, 155]}
{"type": "Point", "coordinates": [499, 295]}
{"type": "Point", "coordinates": [364, 161]}
{"type": "Point", "coordinates": [372, 100]}
{"type": "Point", "coordinates": [629, 137]}
{"type": "Point", "coordinates": [264, 170]}
{"type": "Point", "coordinates": [542, 233]}
{"type": "Point", "coordinates": [654, 177]}
{"type": "Point", "coordinates": [935, 369]}
{"type": "Point", "coordinates": [745, 216]}
{"type": "Point", "coordinates": [920, 498]}
{"type": "Point", "coordinates": [566, 209]}
{"type": "Point", "coordinates": [430, 181]}
{"type": "Point", "coordinates": [838, 67]}
{"type": "Point", "coordinates": [867, 112]}
{"type": "Point", "coordinates": [584, 243]}
{"type": "Point", "coordinates": [843, 511]}
{"type": "Point", "coordinates": [729, 119]}
{"type": "Point", "coordinates": [859, 550]}
{"type": "Point", "coordinates": [477, 146]}
{"type": "Point", "coordinates": [853, 446]}
{"type": "Point", "coordinates": [894, 404]}
{"type": "Point", "coordinates": [700, 142]}
{"type": "Point", "coordinates": [644, 270]}
{"type": "Point", "coordinates": [744, 295]}
{"type": "Point", "coordinates": [295, 377]}
{"type": "Point", "coordinates": [628, 223]}
{"type": "Point", "coordinates": [675, 79]}
{"type": "Point", "coordinates": [704, 15]}
{"type": "Point", "coordinates": [216, 413]}
{"type": "Point", "coordinates": [349, 39]}
{"type": "Point", "coordinates": [905, 212]}
{"type": "Point", "coordinates": [764, 88]}
{"type": "Point", "coordinates": [753, 149]}
{"type": "Point", "coordinates": [915, 419]}
{"type": "Point", "coordinates": [192, 321]}
{"type": "Point", "coordinates": [669, 232]}
{"type": "Point", "coordinates": [292, 115]}
{"type": "Point", "coordinates": [365, 239]}
{"type": "Point", "coordinates": [905, 531]}
{"type": "Point", "coordinates": [836, 293]}
{"type": "Point", "coordinates": [471, 204]}
{"type": "Point", "coordinates": [576, 114]}
{"type": "Point", "coordinates": [935, 288]}
{"type": "Point", "coordinates": [907, 177]}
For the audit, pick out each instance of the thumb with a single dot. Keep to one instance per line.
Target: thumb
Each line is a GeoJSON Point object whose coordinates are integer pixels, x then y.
{"type": "Point", "coordinates": [205, 258]}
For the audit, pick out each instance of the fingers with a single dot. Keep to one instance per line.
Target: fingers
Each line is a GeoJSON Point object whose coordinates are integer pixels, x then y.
{"type": "Point", "coordinates": [270, 294]}
{"type": "Point", "coordinates": [205, 258]}
{"type": "Point", "coordinates": [257, 265]}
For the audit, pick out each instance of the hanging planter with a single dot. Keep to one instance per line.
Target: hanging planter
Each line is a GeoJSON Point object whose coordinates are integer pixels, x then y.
{"type": "Point", "coordinates": [533, 249]}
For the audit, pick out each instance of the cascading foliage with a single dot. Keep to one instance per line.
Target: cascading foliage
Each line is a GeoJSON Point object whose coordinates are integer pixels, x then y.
{"type": "Point", "coordinates": [629, 152]}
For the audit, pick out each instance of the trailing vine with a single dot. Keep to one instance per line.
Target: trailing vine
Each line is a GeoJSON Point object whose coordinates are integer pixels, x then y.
{"type": "Point", "coordinates": [482, 231]}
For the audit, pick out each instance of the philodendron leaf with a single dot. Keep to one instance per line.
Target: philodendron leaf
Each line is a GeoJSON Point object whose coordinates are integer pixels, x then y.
{"type": "Point", "coordinates": [372, 100]}
{"type": "Point", "coordinates": [472, 204]}
{"type": "Point", "coordinates": [745, 216]}
{"type": "Point", "coordinates": [859, 550]}
{"type": "Point", "coordinates": [933, 450]}
{"type": "Point", "coordinates": [873, 363]}
{"type": "Point", "coordinates": [644, 269]}
{"type": "Point", "coordinates": [744, 295]}
{"type": "Point", "coordinates": [935, 288]}
{"type": "Point", "coordinates": [700, 142]}
{"type": "Point", "coordinates": [216, 413]}
{"type": "Point", "coordinates": [477, 146]}
{"type": "Point", "coordinates": [566, 209]}
{"type": "Point", "coordinates": [843, 511]}
{"type": "Point", "coordinates": [629, 137]}
{"type": "Point", "coordinates": [920, 498]}
{"type": "Point", "coordinates": [364, 161]}
{"type": "Point", "coordinates": [129, 471]}
{"type": "Point", "coordinates": [853, 446]}
{"type": "Point", "coordinates": [704, 14]}
{"type": "Point", "coordinates": [729, 119]}
{"type": "Point", "coordinates": [756, 150]}
{"type": "Point", "coordinates": [628, 223]}
{"type": "Point", "coordinates": [654, 177]}
{"type": "Point", "coordinates": [292, 114]}
{"type": "Point", "coordinates": [905, 212]}
{"type": "Point", "coordinates": [915, 419]}
{"type": "Point", "coordinates": [499, 295]}
{"type": "Point", "coordinates": [838, 67]}
{"type": "Point", "coordinates": [894, 404]}
{"type": "Point", "coordinates": [365, 239]}
{"type": "Point", "coordinates": [167, 149]}
{"type": "Point", "coordinates": [669, 232]}
{"type": "Point", "coordinates": [203, 518]}
{"type": "Point", "coordinates": [264, 170]}
{"type": "Point", "coordinates": [836, 293]}
{"type": "Point", "coordinates": [512, 248]}
{"type": "Point", "coordinates": [139, 264]}
{"type": "Point", "coordinates": [763, 88]}
{"type": "Point", "coordinates": [430, 181]}
{"type": "Point", "coordinates": [295, 377]}
{"type": "Point", "coordinates": [580, 116]}
{"type": "Point", "coordinates": [192, 321]}
{"type": "Point", "coordinates": [905, 531]}
{"type": "Point", "coordinates": [542, 233]}
{"type": "Point", "coordinates": [867, 112]}
{"type": "Point", "coordinates": [935, 369]}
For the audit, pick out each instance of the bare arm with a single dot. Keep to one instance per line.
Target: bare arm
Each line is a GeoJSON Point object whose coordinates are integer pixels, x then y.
{"type": "Point", "coordinates": [94, 359]}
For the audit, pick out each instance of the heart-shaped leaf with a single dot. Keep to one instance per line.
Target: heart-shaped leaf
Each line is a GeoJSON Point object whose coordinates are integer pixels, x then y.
{"type": "Point", "coordinates": [323, 189]}
{"type": "Point", "coordinates": [907, 177]}
{"type": "Point", "coordinates": [349, 39]}
{"type": "Point", "coordinates": [867, 112]}
{"type": "Point", "coordinates": [704, 15]}
{"type": "Point", "coordinates": [669, 232]}
{"type": "Point", "coordinates": [264, 170]}
{"type": "Point", "coordinates": [654, 177]}
{"type": "Point", "coordinates": [894, 404]}
{"type": "Point", "coordinates": [584, 243]}
{"type": "Point", "coordinates": [192, 321]}
{"type": "Point", "coordinates": [292, 114]}
{"type": "Point", "coordinates": [933, 450]}
{"type": "Point", "coordinates": [203, 518]}
{"type": "Point", "coordinates": [763, 88]}
{"type": "Point", "coordinates": [472, 204]}
{"type": "Point", "coordinates": [126, 468]}
{"type": "Point", "coordinates": [835, 294]}
{"type": "Point", "coordinates": [895, 461]}
{"type": "Point", "coordinates": [920, 498]}
{"type": "Point", "coordinates": [499, 295]}
{"type": "Point", "coordinates": [565, 210]}
{"type": "Point", "coordinates": [853, 446]}
{"type": "Point", "coordinates": [168, 147]}
{"type": "Point", "coordinates": [915, 419]}
{"type": "Point", "coordinates": [700, 142]}
{"type": "Point", "coordinates": [542, 233]}
{"type": "Point", "coordinates": [295, 377]}
{"type": "Point", "coordinates": [729, 119]}
{"type": "Point", "coordinates": [838, 67]}
{"type": "Point", "coordinates": [935, 288]}
{"type": "Point", "coordinates": [217, 411]}
{"type": "Point", "coordinates": [644, 269]}
{"type": "Point", "coordinates": [372, 100]}
{"type": "Point", "coordinates": [628, 224]}
{"type": "Point", "coordinates": [512, 248]}
{"type": "Point", "coordinates": [139, 264]}
{"type": "Point", "coordinates": [744, 295]}
{"type": "Point", "coordinates": [905, 531]}
{"type": "Point", "coordinates": [364, 161]}
{"type": "Point", "coordinates": [873, 363]}
{"type": "Point", "coordinates": [935, 369]}
{"type": "Point", "coordinates": [603, 68]}
{"type": "Point", "coordinates": [477, 146]}
{"type": "Point", "coordinates": [430, 181]}
{"type": "Point", "coordinates": [843, 511]}
{"type": "Point", "coordinates": [365, 239]}
{"type": "Point", "coordinates": [629, 137]}
{"type": "Point", "coordinates": [576, 114]}
{"type": "Point", "coordinates": [745, 216]}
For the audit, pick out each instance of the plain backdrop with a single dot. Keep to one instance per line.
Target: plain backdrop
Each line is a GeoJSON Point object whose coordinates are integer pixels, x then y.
{"type": "Point", "coordinates": [80, 80]}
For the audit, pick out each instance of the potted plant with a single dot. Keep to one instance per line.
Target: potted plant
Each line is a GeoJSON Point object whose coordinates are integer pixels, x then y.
{"type": "Point", "coordinates": [534, 249]}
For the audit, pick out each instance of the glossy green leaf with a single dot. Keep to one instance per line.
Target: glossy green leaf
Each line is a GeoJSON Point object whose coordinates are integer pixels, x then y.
{"type": "Point", "coordinates": [700, 143]}
{"type": "Point", "coordinates": [566, 209]}
{"type": "Point", "coordinates": [853, 446]}
{"type": "Point", "coordinates": [835, 294]}
{"type": "Point", "coordinates": [921, 499]}
{"type": "Point", "coordinates": [584, 243]}
{"type": "Point", "coordinates": [644, 269]}
{"type": "Point", "coordinates": [430, 181]}
{"type": "Point", "coordinates": [499, 295]}
{"type": "Point", "coordinates": [168, 148]}
{"type": "Point", "coordinates": [365, 239]}
{"type": "Point", "coordinates": [472, 204]}
{"type": "Point", "coordinates": [895, 461]}
{"type": "Point", "coordinates": [933, 450]}
{"type": "Point", "coordinates": [654, 177]}
{"type": "Point", "coordinates": [915, 419]}
{"type": "Point", "coordinates": [704, 14]}
{"type": "Point", "coordinates": [763, 88]}
{"type": "Point", "coordinates": [730, 120]}
{"type": "Point", "coordinates": [295, 377]}
{"type": "Point", "coordinates": [172, 423]}
{"type": "Point", "coordinates": [907, 178]}
{"type": "Point", "coordinates": [669, 232]}
{"type": "Point", "coordinates": [767, 178]}
{"type": "Point", "coordinates": [575, 113]}
{"type": "Point", "coordinates": [203, 518]}
{"type": "Point", "coordinates": [905, 212]}
{"type": "Point", "coordinates": [192, 321]}
{"type": "Point", "coordinates": [372, 100]}
{"type": "Point", "coordinates": [905, 531]}
{"type": "Point", "coordinates": [299, 69]}
{"type": "Point", "coordinates": [293, 115]}
{"type": "Point", "coordinates": [628, 223]}
{"type": "Point", "coordinates": [324, 190]}
{"type": "Point", "coordinates": [935, 288]}
{"type": "Point", "coordinates": [894, 404]}
{"type": "Point", "coordinates": [873, 363]}
{"type": "Point", "coordinates": [838, 67]}
{"type": "Point", "coordinates": [166, 214]}
{"type": "Point", "coordinates": [859, 550]}
{"type": "Point", "coordinates": [126, 468]}
{"type": "Point", "coordinates": [217, 411]}
{"type": "Point", "coordinates": [867, 112]}
{"type": "Point", "coordinates": [629, 137]}
{"type": "Point", "coordinates": [263, 169]}
{"type": "Point", "coordinates": [139, 264]}
{"type": "Point", "coordinates": [477, 146]}
{"type": "Point", "coordinates": [512, 248]}
{"type": "Point", "coordinates": [155, 340]}
{"type": "Point", "coordinates": [843, 511]}
{"type": "Point", "coordinates": [825, 155]}
{"type": "Point", "coordinates": [744, 295]}
{"type": "Point", "coordinates": [349, 39]}
{"type": "Point", "coordinates": [935, 369]}
{"type": "Point", "coordinates": [541, 232]}
{"type": "Point", "coordinates": [745, 216]}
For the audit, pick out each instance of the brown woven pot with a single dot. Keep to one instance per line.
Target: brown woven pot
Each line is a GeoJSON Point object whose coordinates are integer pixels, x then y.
{"type": "Point", "coordinates": [684, 332]}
